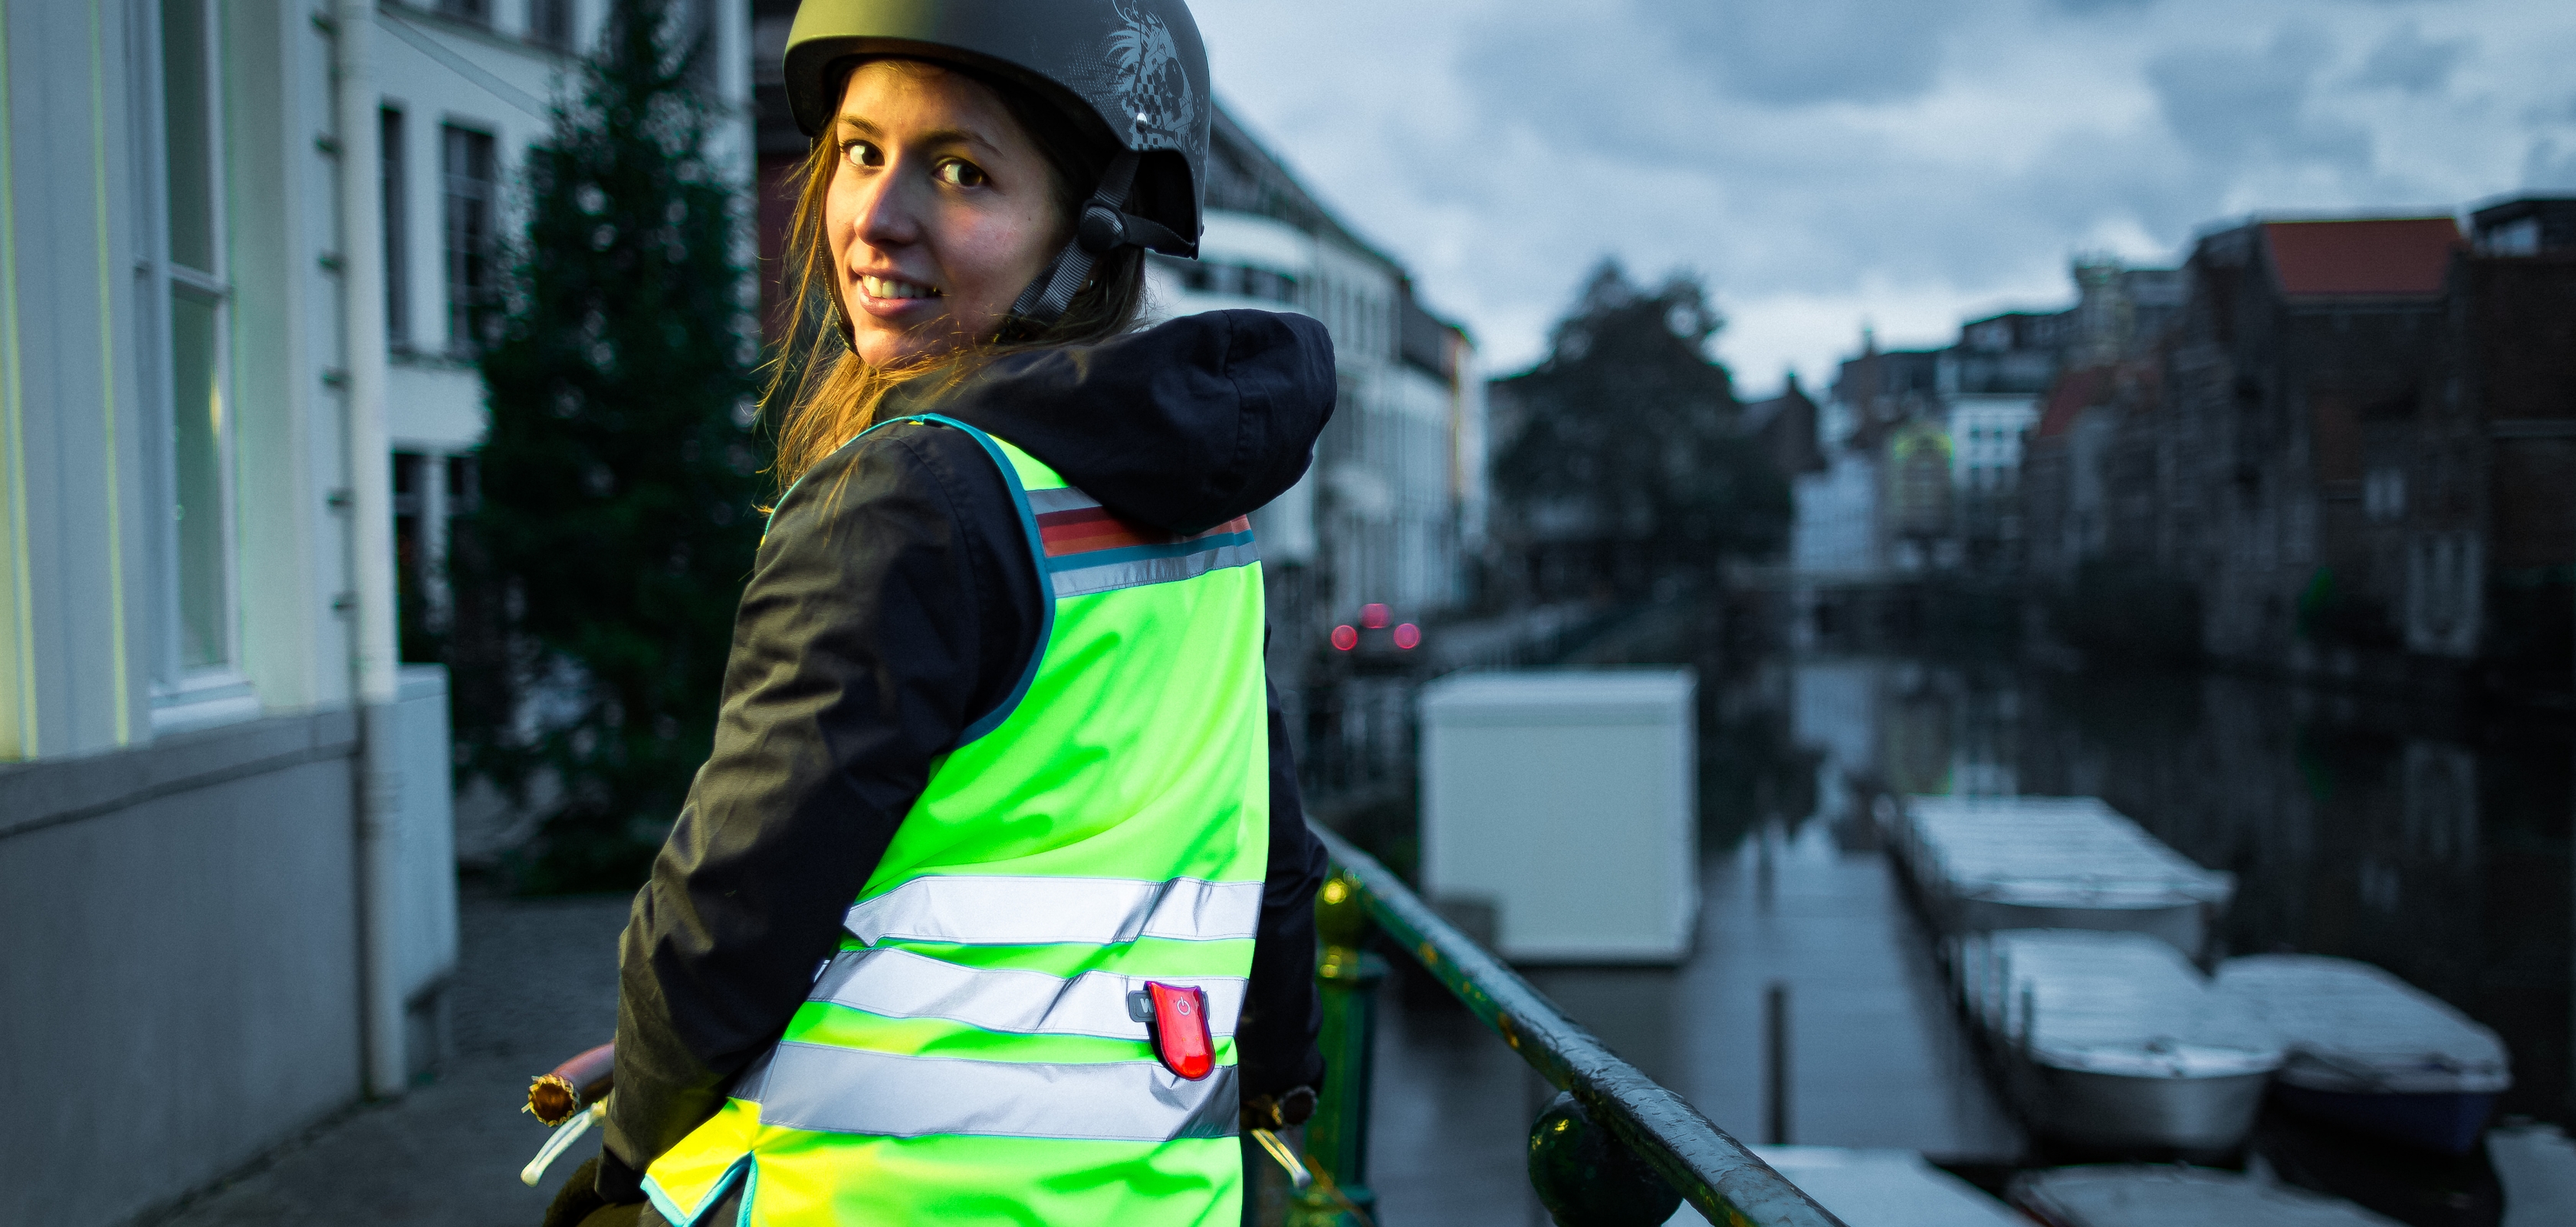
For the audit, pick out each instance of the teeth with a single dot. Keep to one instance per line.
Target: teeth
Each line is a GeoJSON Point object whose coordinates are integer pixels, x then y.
{"type": "Point", "coordinates": [880, 287]}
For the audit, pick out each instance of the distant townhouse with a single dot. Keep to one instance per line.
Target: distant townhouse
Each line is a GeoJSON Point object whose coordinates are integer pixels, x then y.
{"type": "Point", "coordinates": [2351, 447]}
{"type": "Point", "coordinates": [2480, 494]}
{"type": "Point", "coordinates": [2090, 456]}
{"type": "Point", "coordinates": [2297, 335]}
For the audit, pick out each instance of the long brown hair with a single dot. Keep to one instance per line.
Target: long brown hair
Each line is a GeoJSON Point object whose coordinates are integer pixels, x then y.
{"type": "Point", "coordinates": [821, 392]}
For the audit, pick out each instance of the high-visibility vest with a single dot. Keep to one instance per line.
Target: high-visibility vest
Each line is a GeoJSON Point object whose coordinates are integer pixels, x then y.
{"type": "Point", "coordinates": [969, 1056]}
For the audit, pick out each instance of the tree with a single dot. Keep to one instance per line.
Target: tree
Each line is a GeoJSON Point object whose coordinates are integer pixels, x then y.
{"type": "Point", "coordinates": [1625, 465]}
{"type": "Point", "coordinates": [616, 523]}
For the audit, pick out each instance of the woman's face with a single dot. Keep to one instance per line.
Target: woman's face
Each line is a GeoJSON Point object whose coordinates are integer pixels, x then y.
{"type": "Point", "coordinates": [940, 211]}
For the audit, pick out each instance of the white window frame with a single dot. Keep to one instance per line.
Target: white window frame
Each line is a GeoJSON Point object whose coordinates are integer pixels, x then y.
{"type": "Point", "coordinates": [185, 696]}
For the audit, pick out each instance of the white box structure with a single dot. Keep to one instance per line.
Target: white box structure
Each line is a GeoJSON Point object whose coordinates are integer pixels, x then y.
{"type": "Point", "coordinates": [1568, 802]}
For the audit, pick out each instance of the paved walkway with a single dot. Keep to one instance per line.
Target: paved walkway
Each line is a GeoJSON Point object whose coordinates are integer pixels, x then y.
{"type": "Point", "coordinates": [538, 983]}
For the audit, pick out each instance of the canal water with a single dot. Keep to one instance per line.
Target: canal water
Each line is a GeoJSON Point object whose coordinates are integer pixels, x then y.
{"type": "Point", "coordinates": [2432, 842]}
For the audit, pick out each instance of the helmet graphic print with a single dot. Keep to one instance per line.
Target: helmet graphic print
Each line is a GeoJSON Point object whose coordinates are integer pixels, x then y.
{"type": "Point", "coordinates": [1133, 73]}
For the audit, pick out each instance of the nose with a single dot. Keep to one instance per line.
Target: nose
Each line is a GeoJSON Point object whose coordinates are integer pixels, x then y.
{"type": "Point", "coordinates": [889, 213]}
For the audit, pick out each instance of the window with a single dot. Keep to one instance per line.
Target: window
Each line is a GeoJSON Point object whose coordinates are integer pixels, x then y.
{"type": "Point", "coordinates": [2515, 238]}
{"type": "Point", "coordinates": [473, 202]}
{"type": "Point", "coordinates": [477, 11]}
{"type": "Point", "coordinates": [198, 544]}
{"type": "Point", "coordinates": [550, 23]}
{"type": "Point", "coordinates": [397, 234]}
{"type": "Point", "coordinates": [415, 505]}
{"type": "Point", "coordinates": [197, 447]}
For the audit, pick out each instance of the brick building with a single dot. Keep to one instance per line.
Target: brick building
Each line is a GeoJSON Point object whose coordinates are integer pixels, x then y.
{"type": "Point", "coordinates": [2351, 451]}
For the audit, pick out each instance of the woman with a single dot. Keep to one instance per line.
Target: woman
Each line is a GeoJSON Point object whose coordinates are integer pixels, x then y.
{"type": "Point", "coordinates": [994, 753]}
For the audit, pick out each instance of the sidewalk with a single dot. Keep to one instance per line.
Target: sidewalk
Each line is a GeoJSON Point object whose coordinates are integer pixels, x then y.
{"type": "Point", "coordinates": [537, 982]}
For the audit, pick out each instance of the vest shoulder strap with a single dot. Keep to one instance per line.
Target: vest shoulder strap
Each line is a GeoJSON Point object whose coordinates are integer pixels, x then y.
{"type": "Point", "coordinates": [1021, 472]}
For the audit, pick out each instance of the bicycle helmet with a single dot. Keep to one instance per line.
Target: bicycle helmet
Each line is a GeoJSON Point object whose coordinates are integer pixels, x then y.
{"type": "Point", "coordinates": [1132, 73]}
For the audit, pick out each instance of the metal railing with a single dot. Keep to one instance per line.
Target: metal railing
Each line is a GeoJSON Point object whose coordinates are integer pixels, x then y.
{"type": "Point", "coordinates": [1613, 1150]}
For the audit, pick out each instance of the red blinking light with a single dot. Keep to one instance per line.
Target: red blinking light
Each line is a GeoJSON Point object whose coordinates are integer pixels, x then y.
{"type": "Point", "coordinates": [1408, 636]}
{"type": "Point", "coordinates": [1181, 1034]}
{"type": "Point", "coordinates": [1373, 616]}
{"type": "Point", "coordinates": [1345, 638]}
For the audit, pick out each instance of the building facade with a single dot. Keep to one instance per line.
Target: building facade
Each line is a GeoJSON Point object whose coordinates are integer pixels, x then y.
{"type": "Point", "coordinates": [1393, 509]}
{"type": "Point", "coordinates": [241, 247]}
{"type": "Point", "coordinates": [1981, 406]}
{"type": "Point", "coordinates": [2347, 452]}
{"type": "Point", "coordinates": [466, 87]}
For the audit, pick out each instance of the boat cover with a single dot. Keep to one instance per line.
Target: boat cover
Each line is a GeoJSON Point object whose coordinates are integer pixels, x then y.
{"type": "Point", "coordinates": [2357, 1029]}
{"type": "Point", "coordinates": [2125, 1195]}
{"type": "Point", "coordinates": [2109, 1003]}
{"type": "Point", "coordinates": [2049, 852]}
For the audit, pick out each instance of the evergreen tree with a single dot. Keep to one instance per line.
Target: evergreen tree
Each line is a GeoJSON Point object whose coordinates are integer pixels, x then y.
{"type": "Point", "coordinates": [1624, 447]}
{"type": "Point", "coordinates": [603, 562]}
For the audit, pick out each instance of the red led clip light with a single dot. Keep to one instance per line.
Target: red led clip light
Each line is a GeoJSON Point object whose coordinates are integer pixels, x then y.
{"type": "Point", "coordinates": [1177, 1021]}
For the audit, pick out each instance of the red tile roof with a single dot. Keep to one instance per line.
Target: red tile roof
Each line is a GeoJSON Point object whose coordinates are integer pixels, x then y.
{"type": "Point", "coordinates": [2398, 257]}
{"type": "Point", "coordinates": [2076, 391]}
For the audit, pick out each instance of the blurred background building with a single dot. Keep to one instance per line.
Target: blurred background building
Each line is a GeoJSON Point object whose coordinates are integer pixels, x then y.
{"type": "Point", "coordinates": [467, 85]}
{"type": "Point", "coordinates": [2333, 447]}
{"type": "Point", "coordinates": [2326, 445]}
{"type": "Point", "coordinates": [244, 252]}
{"type": "Point", "coordinates": [1393, 510]}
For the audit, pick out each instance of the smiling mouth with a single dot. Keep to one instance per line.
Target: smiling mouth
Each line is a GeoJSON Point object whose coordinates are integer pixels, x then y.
{"type": "Point", "coordinates": [887, 287]}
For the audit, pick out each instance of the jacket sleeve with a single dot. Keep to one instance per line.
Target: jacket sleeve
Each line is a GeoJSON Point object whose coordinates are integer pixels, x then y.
{"type": "Point", "coordinates": [880, 619]}
{"type": "Point", "coordinates": [1275, 1039]}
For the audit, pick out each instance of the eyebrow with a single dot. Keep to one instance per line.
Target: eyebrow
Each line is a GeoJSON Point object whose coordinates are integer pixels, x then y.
{"type": "Point", "coordinates": [850, 122]}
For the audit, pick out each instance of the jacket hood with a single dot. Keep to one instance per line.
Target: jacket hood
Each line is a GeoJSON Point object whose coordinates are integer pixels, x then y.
{"type": "Point", "coordinates": [1183, 426]}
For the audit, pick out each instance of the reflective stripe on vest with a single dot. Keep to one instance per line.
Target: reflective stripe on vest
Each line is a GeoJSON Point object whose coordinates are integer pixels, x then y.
{"type": "Point", "coordinates": [982, 910]}
{"type": "Point", "coordinates": [1089, 550]}
{"type": "Point", "coordinates": [900, 984]}
{"type": "Point", "coordinates": [829, 1089]}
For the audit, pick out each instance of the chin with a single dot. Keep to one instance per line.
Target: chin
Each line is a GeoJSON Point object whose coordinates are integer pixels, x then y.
{"type": "Point", "coordinates": [930, 339]}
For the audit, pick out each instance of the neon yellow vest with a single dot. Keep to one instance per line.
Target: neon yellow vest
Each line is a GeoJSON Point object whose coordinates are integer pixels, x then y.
{"type": "Point", "coordinates": [968, 1058]}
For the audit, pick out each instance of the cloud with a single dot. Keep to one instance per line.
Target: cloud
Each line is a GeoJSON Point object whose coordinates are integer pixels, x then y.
{"type": "Point", "coordinates": [1911, 163]}
{"type": "Point", "coordinates": [2230, 105]}
{"type": "Point", "coordinates": [1811, 50]}
{"type": "Point", "coordinates": [2550, 167]}
{"type": "Point", "coordinates": [2408, 61]}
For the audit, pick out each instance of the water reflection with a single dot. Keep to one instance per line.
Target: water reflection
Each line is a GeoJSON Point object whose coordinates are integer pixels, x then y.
{"type": "Point", "coordinates": [2431, 843]}
{"type": "Point", "coordinates": [2434, 843]}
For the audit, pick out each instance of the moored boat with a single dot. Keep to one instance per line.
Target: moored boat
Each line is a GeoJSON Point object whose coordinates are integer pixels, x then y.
{"type": "Point", "coordinates": [2370, 1052]}
{"type": "Point", "coordinates": [1990, 863]}
{"type": "Point", "coordinates": [2125, 1195]}
{"type": "Point", "coordinates": [2114, 1041]}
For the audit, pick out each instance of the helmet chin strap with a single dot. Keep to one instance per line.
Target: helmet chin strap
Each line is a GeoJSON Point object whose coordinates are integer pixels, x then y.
{"type": "Point", "coordinates": [1104, 227]}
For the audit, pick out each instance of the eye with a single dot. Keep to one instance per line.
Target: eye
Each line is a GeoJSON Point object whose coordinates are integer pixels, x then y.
{"type": "Point", "coordinates": [957, 172]}
{"type": "Point", "coordinates": [862, 154]}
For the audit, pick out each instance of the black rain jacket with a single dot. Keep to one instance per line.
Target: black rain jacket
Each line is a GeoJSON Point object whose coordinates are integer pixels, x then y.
{"type": "Point", "coordinates": [892, 604]}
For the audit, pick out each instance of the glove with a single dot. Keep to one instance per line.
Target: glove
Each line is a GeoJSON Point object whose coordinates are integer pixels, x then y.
{"type": "Point", "coordinates": [1276, 1112]}
{"type": "Point", "coordinates": [578, 1197]}
{"type": "Point", "coordinates": [602, 1192]}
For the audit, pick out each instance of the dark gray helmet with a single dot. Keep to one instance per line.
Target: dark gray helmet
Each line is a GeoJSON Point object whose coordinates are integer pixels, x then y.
{"type": "Point", "coordinates": [1132, 72]}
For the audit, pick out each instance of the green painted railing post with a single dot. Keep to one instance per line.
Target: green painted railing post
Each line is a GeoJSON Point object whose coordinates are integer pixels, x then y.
{"type": "Point", "coordinates": [1337, 1135]}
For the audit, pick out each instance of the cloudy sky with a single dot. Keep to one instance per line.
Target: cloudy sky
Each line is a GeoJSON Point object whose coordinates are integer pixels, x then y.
{"type": "Point", "coordinates": [1904, 163]}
